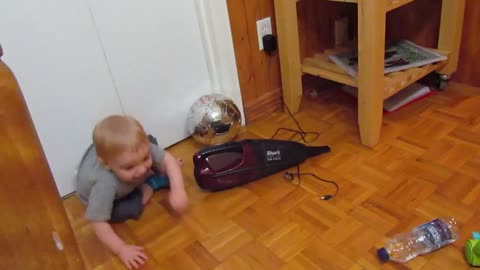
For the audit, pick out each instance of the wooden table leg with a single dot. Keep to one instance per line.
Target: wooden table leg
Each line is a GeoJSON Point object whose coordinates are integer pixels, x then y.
{"type": "Point", "coordinates": [450, 36]}
{"type": "Point", "coordinates": [289, 49]}
{"type": "Point", "coordinates": [371, 50]}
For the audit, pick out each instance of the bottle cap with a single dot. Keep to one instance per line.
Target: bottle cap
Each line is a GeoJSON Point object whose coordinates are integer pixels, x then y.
{"type": "Point", "coordinates": [471, 253]}
{"type": "Point", "coordinates": [382, 254]}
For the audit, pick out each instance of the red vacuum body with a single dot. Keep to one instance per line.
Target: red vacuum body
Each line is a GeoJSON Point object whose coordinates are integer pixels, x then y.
{"type": "Point", "coordinates": [237, 163]}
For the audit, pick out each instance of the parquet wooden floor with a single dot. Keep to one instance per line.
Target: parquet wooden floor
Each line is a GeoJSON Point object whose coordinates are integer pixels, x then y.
{"type": "Point", "coordinates": [427, 165]}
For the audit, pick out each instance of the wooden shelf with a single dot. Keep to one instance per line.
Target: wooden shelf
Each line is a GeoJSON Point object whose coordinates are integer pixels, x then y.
{"type": "Point", "coordinates": [391, 4]}
{"type": "Point", "coordinates": [321, 66]}
{"type": "Point", "coordinates": [396, 81]}
{"type": "Point", "coordinates": [373, 85]}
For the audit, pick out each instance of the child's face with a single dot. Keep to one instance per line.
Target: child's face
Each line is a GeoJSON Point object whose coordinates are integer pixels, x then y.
{"type": "Point", "coordinates": [133, 165]}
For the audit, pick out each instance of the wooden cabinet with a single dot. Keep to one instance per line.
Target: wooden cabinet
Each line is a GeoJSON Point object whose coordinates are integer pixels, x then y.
{"type": "Point", "coordinates": [373, 85]}
{"type": "Point", "coordinates": [34, 229]}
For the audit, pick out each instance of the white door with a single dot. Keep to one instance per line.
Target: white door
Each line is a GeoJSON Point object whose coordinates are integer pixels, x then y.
{"type": "Point", "coordinates": [52, 47]}
{"type": "Point", "coordinates": [80, 60]}
{"type": "Point", "coordinates": [154, 49]}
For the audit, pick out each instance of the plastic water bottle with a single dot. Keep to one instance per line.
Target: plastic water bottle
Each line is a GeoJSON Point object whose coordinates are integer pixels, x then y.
{"type": "Point", "coordinates": [421, 240]}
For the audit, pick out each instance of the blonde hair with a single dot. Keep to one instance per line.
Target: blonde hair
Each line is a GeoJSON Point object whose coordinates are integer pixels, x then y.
{"type": "Point", "coordinates": [116, 134]}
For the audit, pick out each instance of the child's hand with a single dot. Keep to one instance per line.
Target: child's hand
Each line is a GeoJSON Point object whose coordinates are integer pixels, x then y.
{"type": "Point", "coordinates": [178, 200]}
{"type": "Point", "coordinates": [132, 256]}
{"type": "Point", "coordinates": [147, 193]}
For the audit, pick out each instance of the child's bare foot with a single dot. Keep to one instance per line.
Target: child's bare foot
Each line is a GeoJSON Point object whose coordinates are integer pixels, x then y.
{"type": "Point", "coordinates": [147, 193]}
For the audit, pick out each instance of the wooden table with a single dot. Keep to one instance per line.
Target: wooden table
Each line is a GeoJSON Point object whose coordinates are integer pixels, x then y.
{"type": "Point", "coordinates": [373, 85]}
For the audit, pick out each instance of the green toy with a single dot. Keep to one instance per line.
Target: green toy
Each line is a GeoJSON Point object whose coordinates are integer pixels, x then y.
{"type": "Point", "coordinates": [472, 250]}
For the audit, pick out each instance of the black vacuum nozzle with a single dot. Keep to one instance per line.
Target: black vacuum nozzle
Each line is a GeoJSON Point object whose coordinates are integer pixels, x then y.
{"type": "Point", "coordinates": [316, 150]}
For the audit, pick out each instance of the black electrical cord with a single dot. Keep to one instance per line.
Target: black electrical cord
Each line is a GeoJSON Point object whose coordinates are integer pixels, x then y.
{"type": "Point", "coordinates": [291, 177]}
{"type": "Point", "coordinates": [303, 134]}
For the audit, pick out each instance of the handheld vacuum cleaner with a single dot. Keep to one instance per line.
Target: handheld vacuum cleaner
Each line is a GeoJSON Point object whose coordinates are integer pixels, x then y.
{"type": "Point", "coordinates": [237, 163]}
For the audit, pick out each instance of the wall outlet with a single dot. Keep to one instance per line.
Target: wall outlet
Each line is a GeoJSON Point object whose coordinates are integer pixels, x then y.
{"type": "Point", "coordinates": [264, 27]}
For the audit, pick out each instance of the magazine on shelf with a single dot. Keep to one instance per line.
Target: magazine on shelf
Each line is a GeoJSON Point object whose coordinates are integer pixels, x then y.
{"type": "Point", "coordinates": [406, 96]}
{"type": "Point", "coordinates": [398, 56]}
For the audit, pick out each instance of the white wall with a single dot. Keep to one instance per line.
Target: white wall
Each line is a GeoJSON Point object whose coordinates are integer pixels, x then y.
{"type": "Point", "coordinates": [52, 48]}
{"type": "Point", "coordinates": [154, 49]}
{"type": "Point", "coordinates": [74, 68]}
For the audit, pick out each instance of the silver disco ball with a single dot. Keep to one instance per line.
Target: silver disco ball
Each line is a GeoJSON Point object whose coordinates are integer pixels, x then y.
{"type": "Point", "coordinates": [213, 119]}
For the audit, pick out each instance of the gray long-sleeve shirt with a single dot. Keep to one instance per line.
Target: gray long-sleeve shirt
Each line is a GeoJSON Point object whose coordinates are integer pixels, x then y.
{"type": "Point", "coordinates": [98, 186]}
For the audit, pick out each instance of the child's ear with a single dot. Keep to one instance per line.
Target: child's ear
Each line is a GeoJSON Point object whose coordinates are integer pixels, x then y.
{"type": "Point", "coordinates": [104, 164]}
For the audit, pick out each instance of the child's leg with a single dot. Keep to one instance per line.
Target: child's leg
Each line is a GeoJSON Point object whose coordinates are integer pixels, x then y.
{"type": "Point", "coordinates": [129, 207]}
{"type": "Point", "coordinates": [157, 181]}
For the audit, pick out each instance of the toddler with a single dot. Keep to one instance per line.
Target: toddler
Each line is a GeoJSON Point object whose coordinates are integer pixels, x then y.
{"type": "Point", "coordinates": [117, 176]}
